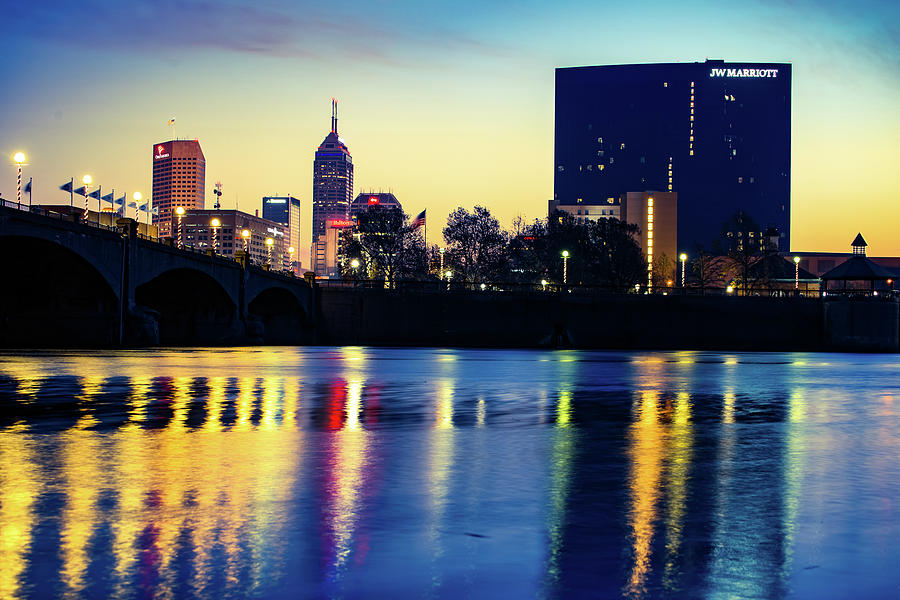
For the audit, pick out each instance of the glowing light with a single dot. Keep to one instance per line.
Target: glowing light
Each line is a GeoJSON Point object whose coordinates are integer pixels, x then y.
{"type": "Point", "coordinates": [215, 223]}
{"type": "Point", "coordinates": [565, 254]}
{"type": "Point", "coordinates": [19, 157]}
{"type": "Point", "coordinates": [797, 260]}
{"type": "Point", "coordinates": [245, 233]}
{"type": "Point", "coordinates": [179, 210]}
{"type": "Point", "coordinates": [729, 289]}
{"type": "Point", "coordinates": [137, 196]}
{"type": "Point", "coordinates": [291, 250]}
{"type": "Point", "coordinates": [683, 257]}
{"type": "Point", "coordinates": [269, 242]}
{"type": "Point", "coordinates": [354, 263]}
{"type": "Point", "coordinates": [87, 180]}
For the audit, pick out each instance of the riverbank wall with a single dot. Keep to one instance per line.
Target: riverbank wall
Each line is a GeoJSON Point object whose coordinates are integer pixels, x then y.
{"type": "Point", "coordinates": [487, 319]}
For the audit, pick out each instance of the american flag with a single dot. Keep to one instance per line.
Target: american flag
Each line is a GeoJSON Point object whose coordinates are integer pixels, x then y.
{"type": "Point", "coordinates": [418, 221]}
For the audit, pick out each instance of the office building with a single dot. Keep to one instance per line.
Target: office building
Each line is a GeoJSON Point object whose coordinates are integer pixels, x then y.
{"type": "Point", "coordinates": [332, 191]}
{"type": "Point", "coordinates": [179, 179]}
{"type": "Point", "coordinates": [199, 232]}
{"type": "Point", "coordinates": [656, 215]}
{"type": "Point", "coordinates": [328, 246]}
{"type": "Point", "coordinates": [589, 211]}
{"type": "Point", "coordinates": [286, 211]}
{"type": "Point", "coordinates": [364, 200]}
{"type": "Point", "coordinates": [717, 133]}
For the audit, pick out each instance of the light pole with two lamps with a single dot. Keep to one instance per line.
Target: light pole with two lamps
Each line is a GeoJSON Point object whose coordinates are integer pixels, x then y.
{"type": "Point", "coordinates": [86, 180]}
{"type": "Point", "coordinates": [796, 272]}
{"type": "Point", "coordinates": [269, 243]}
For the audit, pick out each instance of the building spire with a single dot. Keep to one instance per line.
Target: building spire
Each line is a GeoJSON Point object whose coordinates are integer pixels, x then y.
{"type": "Point", "coordinates": [334, 116]}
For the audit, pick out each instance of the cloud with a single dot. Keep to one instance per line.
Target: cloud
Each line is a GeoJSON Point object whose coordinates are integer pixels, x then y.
{"type": "Point", "coordinates": [167, 26]}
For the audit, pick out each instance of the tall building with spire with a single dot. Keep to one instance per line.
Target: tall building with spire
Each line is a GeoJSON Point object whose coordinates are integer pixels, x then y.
{"type": "Point", "coordinates": [332, 193]}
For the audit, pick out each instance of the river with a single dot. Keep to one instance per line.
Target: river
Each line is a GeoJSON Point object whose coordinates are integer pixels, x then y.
{"type": "Point", "coordinates": [443, 473]}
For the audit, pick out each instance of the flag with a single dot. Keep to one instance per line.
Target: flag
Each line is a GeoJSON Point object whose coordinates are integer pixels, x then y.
{"type": "Point", "coordinates": [172, 121]}
{"type": "Point", "coordinates": [120, 201]}
{"type": "Point", "coordinates": [144, 207]}
{"type": "Point", "coordinates": [28, 187]}
{"type": "Point", "coordinates": [155, 210]}
{"type": "Point", "coordinates": [132, 205]}
{"type": "Point", "coordinates": [108, 197]}
{"type": "Point", "coordinates": [418, 221]}
{"type": "Point", "coordinates": [66, 187]}
{"type": "Point", "coordinates": [82, 191]}
{"type": "Point", "coordinates": [95, 194]}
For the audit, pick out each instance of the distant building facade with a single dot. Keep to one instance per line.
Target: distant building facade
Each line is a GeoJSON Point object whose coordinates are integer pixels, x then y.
{"type": "Point", "coordinates": [589, 211]}
{"type": "Point", "coordinates": [286, 211]}
{"type": "Point", "coordinates": [328, 245]}
{"type": "Point", "coordinates": [198, 232]}
{"type": "Point", "coordinates": [656, 215]}
{"type": "Point", "coordinates": [364, 200]}
{"type": "Point", "coordinates": [717, 133]}
{"type": "Point", "coordinates": [332, 192]}
{"type": "Point", "coordinates": [179, 179]}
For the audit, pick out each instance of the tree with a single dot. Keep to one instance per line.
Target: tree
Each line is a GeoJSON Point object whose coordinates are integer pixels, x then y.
{"type": "Point", "coordinates": [741, 239]}
{"type": "Point", "coordinates": [476, 246]}
{"type": "Point", "coordinates": [386, 245]}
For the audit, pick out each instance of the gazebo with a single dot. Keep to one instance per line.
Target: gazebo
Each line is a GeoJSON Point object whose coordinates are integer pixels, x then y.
{"type": "Point", "coordinates": [858, 274]}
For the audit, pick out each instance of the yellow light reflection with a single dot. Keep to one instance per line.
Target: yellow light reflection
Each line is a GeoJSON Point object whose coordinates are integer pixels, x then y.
{"type": "Point", "coordinates": [19, 488]}
{"type": "Point", "coordinates": [645, 457]}
{"type": "Point", "coordinates": [560, 480]}
{"type": "Point", "coordinates": [480, 413]}
{"type": "Point", "coordinates": [679, 453]}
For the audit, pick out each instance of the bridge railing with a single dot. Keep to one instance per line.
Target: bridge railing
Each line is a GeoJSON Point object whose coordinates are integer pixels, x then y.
{"type": "Point", "coordinates": [75, 216]}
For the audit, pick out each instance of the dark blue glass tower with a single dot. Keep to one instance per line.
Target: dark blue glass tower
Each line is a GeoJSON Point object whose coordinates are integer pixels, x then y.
{"type": "Point", "coordinates": [717, 133]}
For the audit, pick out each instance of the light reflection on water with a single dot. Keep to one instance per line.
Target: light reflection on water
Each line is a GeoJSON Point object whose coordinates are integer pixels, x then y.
{"type": "Point", "coordinates": [340, 472]}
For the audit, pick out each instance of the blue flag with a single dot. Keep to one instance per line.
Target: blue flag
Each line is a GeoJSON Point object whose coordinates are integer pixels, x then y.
{"type": "Point", "coordinates": [132, 205]}
{"type": "Point", "coordinates": [155, 210]}
{"type": "Point", "coordinates": [120, 201]}
{"type": "Point", "coordinates": [66, 187]}
{"type": "Point", "coordinates": [95, 194]}
{"type": "Point", "coordinates": [109, 197]}
{"type": "Point", "coordinates": [143, 207]}
{"type": "Point", "coordinates": [28, 187]}
{"type": "Point", "coordinates": [82, 191]}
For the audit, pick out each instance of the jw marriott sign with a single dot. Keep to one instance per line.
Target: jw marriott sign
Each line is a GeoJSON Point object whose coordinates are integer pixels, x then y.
{"type": "Point", "coordinates": [743, 73]}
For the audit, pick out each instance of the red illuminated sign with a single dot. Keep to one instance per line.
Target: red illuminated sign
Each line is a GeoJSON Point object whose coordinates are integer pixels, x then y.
{"type": "Point", "coordinates": [161, 152]}
{"type": "Point", "coordinates": [373, 200]}
{"type": "Point", "coordinates": [340, 223]}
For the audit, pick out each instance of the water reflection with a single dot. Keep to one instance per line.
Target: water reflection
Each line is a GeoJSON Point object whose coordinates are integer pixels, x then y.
{"type": "Point", "coordinates": [340, 472]}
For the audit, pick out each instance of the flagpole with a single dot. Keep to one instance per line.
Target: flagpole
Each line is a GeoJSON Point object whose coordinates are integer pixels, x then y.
{"type": "Point", "coordinates": [30, 179]}
{"type": "Point", "coordinates": [72, 192]}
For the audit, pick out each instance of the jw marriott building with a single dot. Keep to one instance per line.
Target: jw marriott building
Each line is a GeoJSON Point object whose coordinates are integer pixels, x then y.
{"type": "Point", "coordinates": [179, 179]}
{"type": "Point", "coordinates": [718, 134]}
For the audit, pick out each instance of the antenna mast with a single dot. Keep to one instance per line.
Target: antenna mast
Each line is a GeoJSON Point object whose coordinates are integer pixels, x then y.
{"type": "Point", "coordinates": [334, 115]}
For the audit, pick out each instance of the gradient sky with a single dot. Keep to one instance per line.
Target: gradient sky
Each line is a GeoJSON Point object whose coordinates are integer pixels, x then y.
{"type": "Point", "coordinates": [446, 104]}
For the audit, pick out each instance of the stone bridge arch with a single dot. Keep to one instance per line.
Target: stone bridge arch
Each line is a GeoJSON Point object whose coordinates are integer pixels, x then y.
{"type": "Point", "coordinates": [278, 311]}
{"type": "Point", "coordinates": [55, 295]}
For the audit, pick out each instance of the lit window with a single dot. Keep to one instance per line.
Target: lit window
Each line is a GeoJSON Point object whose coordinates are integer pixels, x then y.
{"type": "Point", "coordinates": [692, 152]}
{"type": "Point", "coordinates": [665, 84]}
{"type": "Point", "coordinates": [622, 146]}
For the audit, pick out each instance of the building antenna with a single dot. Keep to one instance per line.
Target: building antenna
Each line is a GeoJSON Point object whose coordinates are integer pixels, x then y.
{"type": "Point", "coordinates": [218, 193]}
{"type": "Point", "coordinates": [334, 116]}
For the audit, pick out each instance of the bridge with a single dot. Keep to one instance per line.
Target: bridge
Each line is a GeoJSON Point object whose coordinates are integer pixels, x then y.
{"type": "Point", "coordinates": [71, 284]}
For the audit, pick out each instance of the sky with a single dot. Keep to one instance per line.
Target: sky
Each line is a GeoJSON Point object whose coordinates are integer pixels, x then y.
{"type": "Point", "coordinates": [445, 104]}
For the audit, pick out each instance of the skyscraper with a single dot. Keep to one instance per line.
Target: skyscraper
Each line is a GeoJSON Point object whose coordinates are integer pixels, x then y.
{"type": "Point", "coordinates": [332, 189]}
{"type": "Point", "coordinates": [286, 211]}
{"type": "Point", "coordinates": [718, 134]}
{"type": "Point", "coordinates": [179, 179]}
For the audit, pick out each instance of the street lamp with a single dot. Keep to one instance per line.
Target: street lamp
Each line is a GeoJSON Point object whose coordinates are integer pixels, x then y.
{"type": "Point", "coordinates": [441, 271]}
{"type": "Point", "coordinates": [797, 273]}
{"type": "Point", "coordinates": [245, 233]}
{"type": "Point", "coordinates": [565, 255]}
{"type": "Point", "coordinates": [19, 158]}
{"type": "Point", "coordinates": [449, 274]}
{"type": "Point", "coordinates": [683, 258]}
{"type": "Point", "coordinates": [137, 199]}
{"type": "Point", "coordinates": [215, 223]}
{"type": "Point", "coordinates": [543, 284]}
{"type": "Point", "coordinates": [269, 243]}
{"type": "Point", "coordinates": [179, 211]}
{"type": "Point", "coordinates": [86, 180]}
{"type": "Point", "coordinates": [291, 251]}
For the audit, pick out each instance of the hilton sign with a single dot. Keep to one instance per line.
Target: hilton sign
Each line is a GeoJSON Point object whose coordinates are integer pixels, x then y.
{"type": "Point", "coordinates": [743, 73]}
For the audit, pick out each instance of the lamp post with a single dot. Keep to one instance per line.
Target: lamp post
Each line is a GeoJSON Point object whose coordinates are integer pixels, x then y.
{"type": "Point", "coordinates": [179, 212]}
{"type": "Point", "coordinates": [796, 272]}
{"type": "Point", "coordinates": [86, 180]}
{"type": "Point", "coordinates": [215, 224]}
{"type": "Point", "coordinates": [354, 264]}
{"type": "Point", "coordinates": [19, 158]}
{"type": "Point", "coordinates": [291, 251]}
{"type": "Point", "coordinates": [565, 255]}
{"type": "Point", "coordinates": [543, 285]}
{"type": "Point", "coordinates": [245, 234]}
{"type": "Point", "coordinates": [269, 243]}
{"type": "Point", "coordinates": [441, 271]}
{"type": "Point", "coordinates": [449, 274]}
{"type": "Point", "coordinates": [137, 200]}
{"type": "Point", "coordinates": [683, 258]}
